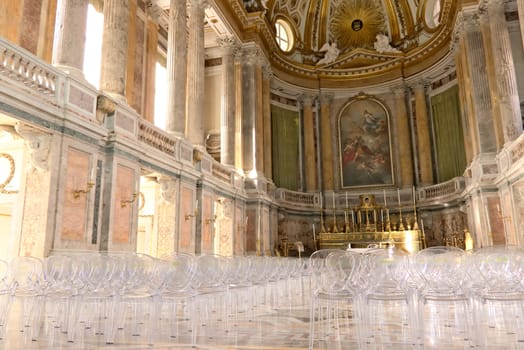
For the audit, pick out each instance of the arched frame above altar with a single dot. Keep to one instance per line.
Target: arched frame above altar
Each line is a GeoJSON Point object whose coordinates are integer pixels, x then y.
{"type": "Point", "coordinates": [364, 141]}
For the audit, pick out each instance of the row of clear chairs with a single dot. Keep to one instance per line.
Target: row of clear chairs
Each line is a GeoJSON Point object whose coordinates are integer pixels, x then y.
{"type": "Point", "coordinates": [106, 296]}
{"type": "Point", "coordinates": [439, 298]}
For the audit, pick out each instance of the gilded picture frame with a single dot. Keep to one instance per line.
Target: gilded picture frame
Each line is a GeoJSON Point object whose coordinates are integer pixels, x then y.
{"type": "Point", "coordinates": [364, 137]}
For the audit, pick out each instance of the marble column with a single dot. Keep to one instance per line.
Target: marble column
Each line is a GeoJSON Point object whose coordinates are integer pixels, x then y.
{"type": "Point", "coordinates": [505, 71]}
{"type": "Point", "coordinates": [227, 117]}
{"type": "Point", "coordinates": [492, 79]}
{"type": "Point", "coordinates": [309, 143]}
{"type": "Point", "coordinates": [259, 118]}
{"type": "Point", "coordinates": [479, 88]}
{"type": "Point", "coordinates": [70, 33]}
{"type": "Point", "coordinates": [153, 12]}
{"type": "Point", "coordinates": [177, 68]}
{"type": "Point", "coordinates": [114, 48]}
{"type": "Point", "coordinates": [422, 132]}
{"type": "Point", "coordinates": [403, 137]}
{"type": "Point", "coordinates": [326, 140]}
{"type": "Point", "coordinates": [464, 82]}
{"type": "Point", "coordinates": [195, 73]}
{"type": "Point", "coordinates": [249, 109]}
{"type": "Point", "coordinates": [266, 98]}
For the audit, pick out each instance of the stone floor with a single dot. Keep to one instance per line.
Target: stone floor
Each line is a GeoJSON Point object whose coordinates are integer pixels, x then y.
{"type": "Point", "coordinates": [285, 328]}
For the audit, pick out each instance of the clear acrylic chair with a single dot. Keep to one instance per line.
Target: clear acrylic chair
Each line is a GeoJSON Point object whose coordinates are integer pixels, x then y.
{"type": "Point", "coordinates": [334, 316]}
{"type": "Point", "coordinates": [443, 300]}
{"type": "Point", "coordinates": [6, 289]}
{"type": "Point", "coordinates": [386, 301]}
{"type": "Point", "coordinates": [26, 274]}
{"type": "Point", "coordinates": [498, 294]}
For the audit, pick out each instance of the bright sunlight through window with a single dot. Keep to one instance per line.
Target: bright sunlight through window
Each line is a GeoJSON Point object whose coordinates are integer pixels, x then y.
{"type": "Point", "coordinates": [93, 46]}
{"type": "Point", "coordinates": [284, 35]}
{"type": "Point", "coordinates": [160, 96]}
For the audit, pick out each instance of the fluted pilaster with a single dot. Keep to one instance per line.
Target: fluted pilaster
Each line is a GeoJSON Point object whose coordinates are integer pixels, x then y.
{"type": "Point", "coordinates": [249, 108]}
{"type": "Point", "coordinates": [309, 143]}
{"type": "Point", "coordinates": [479, 87]}
{"type": "Point", "coordinates": [177, 67]}
{"type": "Point", "coordinates": [227, 118]}
{"type": "Point", "coordinates": [114, 47]}
{"type": "Point", "coordinates": [267, 75]}
{"type": "Point", "coordinates": [403, 137]}
{"type": "Point", "coordinates": [326, 142]}
{"type": "Point", "coordinates": [505, 71]}
{"type": "Point", "coordinates": [196, 73]}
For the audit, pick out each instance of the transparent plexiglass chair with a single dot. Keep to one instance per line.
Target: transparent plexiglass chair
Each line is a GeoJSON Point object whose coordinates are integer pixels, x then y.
{"type": "Point", "coordinates": [443, 300]}
{"type": "Point", "coordinates": [334, 317]}
{"type": "Point", "coordinates": [498, 294]}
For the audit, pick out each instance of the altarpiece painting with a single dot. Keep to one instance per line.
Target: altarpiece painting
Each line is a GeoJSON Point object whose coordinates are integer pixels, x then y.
{"type": "Point", "coordinates": [364, 143]}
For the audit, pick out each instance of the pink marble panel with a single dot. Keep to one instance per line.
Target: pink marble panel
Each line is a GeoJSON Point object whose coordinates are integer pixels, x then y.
{"type": "Point", "coordinates": [74, 212]}
{"type": "Point", "coordinates": [122, 216]}
{"type": "Point", "coordinates": [495, 218]}
{"type": "Point", "coordinates": [239, 232]}
{"type": "Point", "coordinates": [251, 230]}
{"type": "Point", "coordinates": [207, 227]}
{"type": "Point", "coordinates": [187, 208]}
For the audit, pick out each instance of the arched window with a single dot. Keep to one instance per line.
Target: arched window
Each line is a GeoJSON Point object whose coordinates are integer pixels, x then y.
{"type": "Point", "coordinates": [432, 15]}
{"type": "Point", "coordinates": [284, 35]}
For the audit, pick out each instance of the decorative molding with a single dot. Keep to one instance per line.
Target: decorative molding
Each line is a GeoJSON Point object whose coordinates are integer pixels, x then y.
{"type": "Point", "coordinates": [38, 143]}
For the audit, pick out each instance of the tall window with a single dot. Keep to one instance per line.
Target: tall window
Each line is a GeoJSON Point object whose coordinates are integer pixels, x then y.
{"type": "Point", "coordinates": [160, 95]}
{"type": "Point", "coordinates": [284, 35]}
{"type": "Point", "coordinates": [93, 46]}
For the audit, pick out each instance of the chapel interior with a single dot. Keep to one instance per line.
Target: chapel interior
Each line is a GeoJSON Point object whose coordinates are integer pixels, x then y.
{"type": "Point", "coordinates": [260, 127]}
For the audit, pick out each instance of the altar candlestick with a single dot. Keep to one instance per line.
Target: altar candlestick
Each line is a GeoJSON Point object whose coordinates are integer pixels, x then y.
{"type": "Point", "coordinates": [333, 200]}
{"type": "Point", "coordinates": [398, 195]}
{"type": "Point", "coordinates": [385, 203]}
{"type": "Point", "coordinates": [320, 199]}
{"type": "Point", "coordinates": [413, 195]}
{"type": "Point", "coordinates": [314, 237]}
{"type": "Point", "coordinates": [345, 216]}
{"type": "Point", "coordinates": [346, 199]}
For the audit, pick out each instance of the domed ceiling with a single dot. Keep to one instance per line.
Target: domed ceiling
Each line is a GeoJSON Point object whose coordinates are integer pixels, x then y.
{"type": "Point", "coordinates": [371, 36]}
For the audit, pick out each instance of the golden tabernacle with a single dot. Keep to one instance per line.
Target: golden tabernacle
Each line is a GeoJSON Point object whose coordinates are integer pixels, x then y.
{"type": "Point", "coordinates": [369, 224]}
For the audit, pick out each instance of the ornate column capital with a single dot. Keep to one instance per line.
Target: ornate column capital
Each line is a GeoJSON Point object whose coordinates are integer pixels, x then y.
{"type": "Point", "coordinates": [306, 99]}
{"type": "Point", "coordinates": [267, 72]}
{"type": "Point", "coordinates": [326, 99]}
{"type": "Point", "coordinates": [399, 91]}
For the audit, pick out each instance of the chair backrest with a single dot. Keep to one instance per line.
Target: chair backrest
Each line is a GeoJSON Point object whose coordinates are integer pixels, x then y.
{"type": "Point", "coordinates": [27, 274]}
{"type": "Point", "coordinates": [181, 273]}
{"type": "Point", "coordinates": [384, 271]}
{"type": "Point", "coordinates": [441, 268]}
{"type": "Point", "coordinates": [501, 269]}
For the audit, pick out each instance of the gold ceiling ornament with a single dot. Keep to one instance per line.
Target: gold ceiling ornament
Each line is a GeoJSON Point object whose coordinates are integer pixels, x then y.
{"type": "Point", "coordinates": [356, 23]}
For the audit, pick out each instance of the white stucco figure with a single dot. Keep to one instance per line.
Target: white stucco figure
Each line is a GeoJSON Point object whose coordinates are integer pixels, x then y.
{"type": "Point", "coordinates": [331, 53]}
{"type": "Point", "coordinates": [382, 44]}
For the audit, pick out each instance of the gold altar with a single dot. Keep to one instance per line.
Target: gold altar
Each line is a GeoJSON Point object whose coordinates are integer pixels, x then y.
{"type": "Point", "coordinates": [369, 224]}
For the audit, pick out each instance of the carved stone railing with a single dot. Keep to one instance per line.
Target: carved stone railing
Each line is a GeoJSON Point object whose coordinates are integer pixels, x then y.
{"type": "Point", "coordinates": [296, 199]}
{"type": "Point", "coordinates": [453, 187]}
{"type": "Point", "coordinates": [156, 138]}
{"type": "Point", "coordinates": [21, 66]}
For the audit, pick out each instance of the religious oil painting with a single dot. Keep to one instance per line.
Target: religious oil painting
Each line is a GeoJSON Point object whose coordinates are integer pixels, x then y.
{"type": "Point", "coordinates": [364, 143]}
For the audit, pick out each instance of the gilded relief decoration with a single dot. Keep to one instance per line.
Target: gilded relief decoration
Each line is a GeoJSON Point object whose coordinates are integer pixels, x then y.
{"type": "Point", "coordinates": [364, 143]}
{"type": "Point", "coordinates": [356, 23]}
